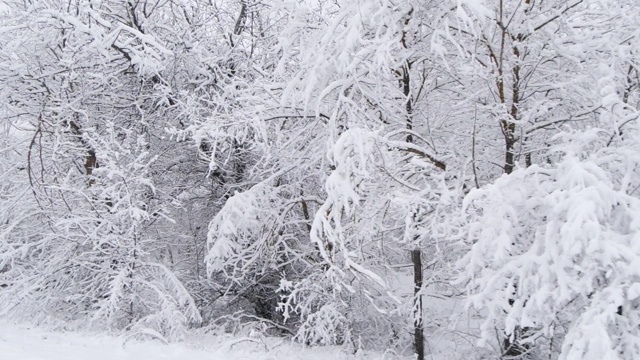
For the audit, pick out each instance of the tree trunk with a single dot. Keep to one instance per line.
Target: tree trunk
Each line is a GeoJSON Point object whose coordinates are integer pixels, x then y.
{"type": "Point", "coordinates": [418, 330]}
{"type": "Point", "coordinates": [416, 254]}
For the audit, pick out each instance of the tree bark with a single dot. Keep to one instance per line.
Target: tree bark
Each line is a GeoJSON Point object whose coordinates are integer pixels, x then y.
{"type": "Point", "coordinates": [418, 329]}
{"type": "Point", "coordinates": [416, 253]}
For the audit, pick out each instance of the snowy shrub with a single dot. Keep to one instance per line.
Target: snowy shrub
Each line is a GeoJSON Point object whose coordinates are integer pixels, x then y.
{"type": "Point", "coordinates": [554, 250]}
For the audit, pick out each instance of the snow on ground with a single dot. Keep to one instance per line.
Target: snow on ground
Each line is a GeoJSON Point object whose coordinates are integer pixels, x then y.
{"type": "Point", "coordinates": [27, 342]}
{"type": "Point", "coordinates": [22, 342]}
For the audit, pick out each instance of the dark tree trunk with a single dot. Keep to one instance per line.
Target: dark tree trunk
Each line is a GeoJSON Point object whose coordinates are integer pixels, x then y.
{"type": "Point", "coordinates": [418, 330]}
{"type": "Point", "coordinates": [416, 254]}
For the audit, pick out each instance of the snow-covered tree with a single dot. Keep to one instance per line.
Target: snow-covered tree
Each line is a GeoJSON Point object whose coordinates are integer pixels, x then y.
{"type": "Point", "coordinates": [524, 73]}
{"type": "Point", "coordinates": [362, 70]}
{"type": "Point", "coordinates": [302, 165]}
{"type": "Point", "coordinates": [552, 260]}
{"type": "Point", "coordinates": [84, 89]}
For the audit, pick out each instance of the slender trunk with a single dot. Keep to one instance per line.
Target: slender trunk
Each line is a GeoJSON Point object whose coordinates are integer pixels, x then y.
{"type": "Point", "coordinates": [130, 282]}
{"type": "Point", "coordinates": [418, 329]}
{"type": "Point", "coordinates": [508, 156]}
{"type": "Point", "coordinates": [510, 127]}
{"type": "Point", "coordinates": [416, 254]}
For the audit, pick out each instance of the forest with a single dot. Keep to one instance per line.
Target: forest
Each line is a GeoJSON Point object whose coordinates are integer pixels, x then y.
{"type": "Point", "coordinates": [378, 175]}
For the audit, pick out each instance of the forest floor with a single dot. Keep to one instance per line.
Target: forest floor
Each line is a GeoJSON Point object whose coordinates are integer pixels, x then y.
{"type": "Point", "coordinates": [28, 342]}
{"type": "Point", "coordinates": [22, 342]}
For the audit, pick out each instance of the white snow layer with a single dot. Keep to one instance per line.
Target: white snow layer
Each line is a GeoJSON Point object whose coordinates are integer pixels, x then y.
{"type": "Point", "coordinates": [21, 342]}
